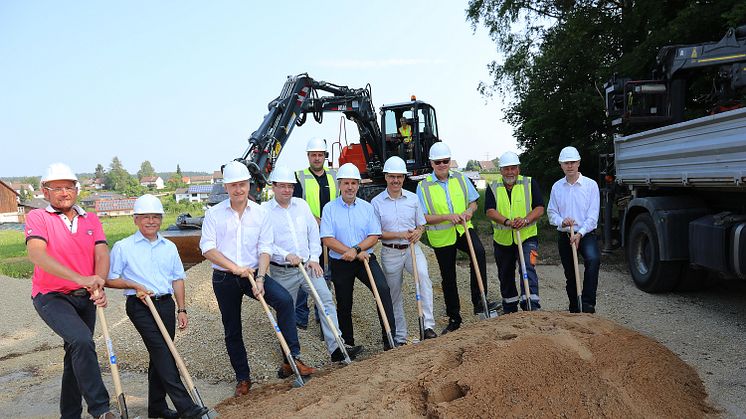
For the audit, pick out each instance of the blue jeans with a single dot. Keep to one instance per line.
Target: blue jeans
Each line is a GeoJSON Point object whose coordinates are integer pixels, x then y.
{"type": "Point", "coordinates": [73, 319]}
{"type": "Point", "coordinates": [588, 248]}
{"type": "Point", "coordinates": [506, 258]}
{"type": "Point", "coordinates": [229, 290]}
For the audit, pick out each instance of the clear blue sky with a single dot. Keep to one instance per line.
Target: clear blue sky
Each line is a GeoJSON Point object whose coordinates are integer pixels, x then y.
{"type": "Point", "coordinates": [187, 82]}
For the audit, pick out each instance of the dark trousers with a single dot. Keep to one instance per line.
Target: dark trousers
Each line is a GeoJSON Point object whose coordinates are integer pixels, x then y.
{"type": "Point", "coordinates": [73, 319]}
{"type": "Point", "coordinates": [506, 258]}
{"type": "Point", "coordinates": [446, 257]}
{"type": "Point", "coordinates": [163, 375]}
{"type": "Point", "coordinates": [343, 277]}
{"type": "Point", "coordinates": [229, 290]}
{"type": "Point", "coordinates": [588, 248]}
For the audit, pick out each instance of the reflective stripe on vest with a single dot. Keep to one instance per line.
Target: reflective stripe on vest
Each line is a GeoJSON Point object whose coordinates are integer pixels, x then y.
{"type": "Point", "coordinates": [406, 133]}
{"type": "Point", "coordinates": [444, 234]}
{"type": "Point", "coordinates": [502, 234]}
{"type": "Point", "coordinates": [310, 188]}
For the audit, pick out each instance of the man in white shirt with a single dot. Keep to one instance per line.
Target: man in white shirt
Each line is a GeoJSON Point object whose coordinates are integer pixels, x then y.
{"type": "Point", "coordinates": [574, 201]}
{"type": "Point", "coordinates": [402, 225]}
{"type": "Point", "coordinates": [297, 241]}
{"type": "Point", "coordinates": [237, 238]}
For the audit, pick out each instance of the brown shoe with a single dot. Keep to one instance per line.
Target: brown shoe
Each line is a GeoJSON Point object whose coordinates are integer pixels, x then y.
{"type": "Point", "coordinates": [242, 388]}
{"type": "Point", "coordinates": [286, 370]}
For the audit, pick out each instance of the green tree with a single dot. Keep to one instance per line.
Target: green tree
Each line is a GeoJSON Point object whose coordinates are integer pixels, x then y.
{"type": "Point", "coordinates": [472, 165]}
{"type": "Point", "coordinates": [99, 173]}
{"type": "Point", "coordinates": [118, 179]}
{"type": "Point", "coordinates": [146, 170]}
{"type": "Point", "coordinates": [178, 170]}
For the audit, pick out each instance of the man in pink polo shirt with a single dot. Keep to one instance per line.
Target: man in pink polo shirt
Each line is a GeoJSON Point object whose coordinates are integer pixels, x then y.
{"type": "Point", "coordinates": [71, 259]}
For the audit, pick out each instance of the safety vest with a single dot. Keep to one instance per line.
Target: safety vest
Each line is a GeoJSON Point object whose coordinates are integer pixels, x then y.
{"type": "Point", "coordinates": [406, 133]}
{"type": "Point", "coordinates": [445, 233]}
{"type": "Point", "coordinates": [518, 205]}
{"type": "Point", "coordinates": [310, 188]}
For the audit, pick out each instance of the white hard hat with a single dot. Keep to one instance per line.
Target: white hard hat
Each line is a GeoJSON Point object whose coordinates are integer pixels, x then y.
{"type": "Point", "coordinates": [58, 171]}
{"type": "Point", "coordinates": [348, 171]}
{"type": "Point", "coordinates": [509, 159]}
{"type": "Point", "coordinates": [282, 174]}
{"type": "Point", "coordinates": [394, 165]}
{"type": "Point", "coordinates": [148, 204]}
{"type": "Point", "coordinates": [569, 154]}
{"type": "Point", "coordinates": [316, 144]}
{"type": "Point", "coordinates": [440, 150]}
{"type": "Point", "coordinates": [235, 172]}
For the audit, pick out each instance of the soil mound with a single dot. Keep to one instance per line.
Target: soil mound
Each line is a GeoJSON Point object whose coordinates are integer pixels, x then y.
{"type": "Point", "coordinates": [526, 364]}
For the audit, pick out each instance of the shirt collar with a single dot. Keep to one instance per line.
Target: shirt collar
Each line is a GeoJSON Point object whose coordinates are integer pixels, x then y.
{"type": "Point", "coordinates": [274, 204]}
{"type": "Point", "coordinates": [388, 196]}
{"type": "Point", "coordinates": [78, 209]}
{"type": "Point", "coordinates": [579, 181]}
{"type": "Point", "coordinates": [139, 237]}
{"type": "Point", "coordinates": [450, 174]}
{"type": "Point", "coordinates": [345, 205]}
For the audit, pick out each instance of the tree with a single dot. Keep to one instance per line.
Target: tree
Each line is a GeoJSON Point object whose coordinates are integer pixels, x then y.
{"type": "Point", "coordinates": [472, 165]}
{"type": "Point", "coordinates": [118, 179]}
{"type": "Point", "coordinates": [146, 170]}
{"type": "Point", "coordinates": [99, 173]}
{"type": "Point", "coordinates": [178, 170]}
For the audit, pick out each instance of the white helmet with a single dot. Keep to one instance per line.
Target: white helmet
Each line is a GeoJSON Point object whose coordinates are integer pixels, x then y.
{"type": "Point", "coordinates": [439, 151]}
{"type": "Point", "coordinates": [316, 144]}
{"type": "Point", "coordinates": [282, 174]}
{"type": "Point", "coordinates": [394, 165]}
{"type": "Point", "coordinates": [509, 159]}
{"type": "Point", "coordinates": [235, 172]}
{"type": "Point", "coordinates": [148, 204]}
{"type": "Point", "coordinates": [58, 171]}
{"type": "Point", "coordinates": [348, 171]}
{"type": "Point", "coordinates": [569, 154]}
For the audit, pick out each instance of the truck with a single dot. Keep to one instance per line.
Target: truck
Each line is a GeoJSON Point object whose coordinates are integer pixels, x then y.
{"type": "Point", "coordinates": [674, 188]}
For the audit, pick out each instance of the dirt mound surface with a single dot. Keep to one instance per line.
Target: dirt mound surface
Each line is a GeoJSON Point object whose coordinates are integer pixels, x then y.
{"type": "Point", "coordinates": [527, 365]}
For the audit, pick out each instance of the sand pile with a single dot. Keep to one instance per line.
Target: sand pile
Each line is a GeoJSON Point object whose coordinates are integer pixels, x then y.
{"type": "Point", "coordinates": [527, 364]}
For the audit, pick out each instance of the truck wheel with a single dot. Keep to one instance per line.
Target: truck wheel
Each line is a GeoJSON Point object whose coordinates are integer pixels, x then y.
{"type": "Point", "coordinates": [643, 258]}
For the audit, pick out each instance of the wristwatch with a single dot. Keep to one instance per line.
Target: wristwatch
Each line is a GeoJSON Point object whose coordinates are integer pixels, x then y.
{"type": "Point", "coordinates": [357, 248]}
{"type": "Point", "coordinates": [505, 223]}
{"type": "Point", "coordinates": [181, 310]}
{"type": "Point", "coordinates": [260, 277]}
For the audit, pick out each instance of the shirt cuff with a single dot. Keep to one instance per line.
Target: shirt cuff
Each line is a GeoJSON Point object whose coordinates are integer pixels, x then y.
{"type": "Point", "coordinates": [207, 246]}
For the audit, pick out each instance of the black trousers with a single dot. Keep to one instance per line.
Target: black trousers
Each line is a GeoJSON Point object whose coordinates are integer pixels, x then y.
{"type": "Point", "coordinates": [446, 257]}
{"type": "Point", "coordinates": [163, 375]}
{"type": "Point", "coordinates": [343, 277]}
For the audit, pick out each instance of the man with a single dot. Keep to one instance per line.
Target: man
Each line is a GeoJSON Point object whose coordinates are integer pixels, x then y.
{"type": "Point", "coordinates": [237, 238]}
{"type": "Point", "coordinates": [448, 199]}
{"type": "Point", "coordinates": [514, 203]}
{"type": "Point", "coordinates": [317, 186]}
{"type": "Point", "coordinates": [402, 223]}
{"type": "Point", "coordinates": [350, 229]}
{"type": "Point", "coordinates": [405, 131]}
{"type": "Point", "coordinates": [143, 264]}
{"type": "Point", "coordinates": [297, 241]}
{"type": "Point", "coordinates": [71, 259]}
{"type": "Point", "coordinates": [574, 201]}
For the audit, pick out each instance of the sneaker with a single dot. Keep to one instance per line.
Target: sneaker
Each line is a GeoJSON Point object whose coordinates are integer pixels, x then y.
{"type": "Point", "coordinates": [286, 370]}
{"type": "Point", "coordinates": [430, 334]}
{"type": "Point", "coordinates": [491, 305]}
{"type": "Point", "coordinates": [452, 325]}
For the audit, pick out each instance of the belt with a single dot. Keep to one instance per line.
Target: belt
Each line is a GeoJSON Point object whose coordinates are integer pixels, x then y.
{"type": "Point", "coordinates": [154, 297]}
{"type": "Point", "coordinates": [280, 265]}
{"type": "Point", "coordinates": [396, 246]}
{"type": "Point", "coordinates": [80, 292]}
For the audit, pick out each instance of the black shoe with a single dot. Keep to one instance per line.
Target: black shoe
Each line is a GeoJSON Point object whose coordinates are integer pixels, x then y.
{"type": "Point", "coordinates": [338, 356]}
{"type": "Point", "coordinates": [166, 414]}
{"type": "Point", "coordinates": [452, 325]}
{"type": "Point", "coordinates": [398, 344]}
{"type": "Point", "coordinates": [589, 308]}
{"type": "Point", "coordinates": [352, 351]}
{"type": "Point", "coordinates": [535, 306]}
{"type": "Point", "coordinates": [301, 326]}
{"type": "Point", "coordinates": [491, 305]}
{"type": "Point", "coordinates": [195, 413]}
{"type": "Point", "coordinates": [430, 334]}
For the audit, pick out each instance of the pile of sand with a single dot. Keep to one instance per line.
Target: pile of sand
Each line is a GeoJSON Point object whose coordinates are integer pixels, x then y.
{"type": "Point", "coordinates": [527, 364]}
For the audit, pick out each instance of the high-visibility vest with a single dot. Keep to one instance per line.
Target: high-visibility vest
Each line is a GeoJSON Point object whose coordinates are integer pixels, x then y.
{"type": "Point", "coordinates": [310, 188]}
{"type": "Point", "coordinates": [445, 233]}
{"type": "Point", "coordinates": [518, 205]}
{"type": "Point", "coordinates": [406, 133]}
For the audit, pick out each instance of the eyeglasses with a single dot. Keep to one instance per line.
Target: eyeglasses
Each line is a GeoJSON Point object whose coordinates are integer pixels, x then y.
{"type": "Point", "coordinates": [64, 188]}
{"type": "Point", "coordinates": [439, 162]}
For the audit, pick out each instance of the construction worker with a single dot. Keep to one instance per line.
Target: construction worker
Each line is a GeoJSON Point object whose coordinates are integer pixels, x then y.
{"type": "Point", "coordinates": [402, 224]}
{"type": "Point", "coordinates": [237, 238]}
{"type": "Point", "coordinates": [297, 241]}
{"type": "Point", "coordinates": [449, 198]}
{"type": "Point", "coordinates": [145, 263]}
{"type": "Point", "coordinates": [405, 130]}
{"type": "Point", "coordinates": [575, 201]}
{"type": "Point", "coordinates": [317, 186]}
{"type": "Point", "coordinates": [514, 203]}
{"type": "Point", "coordinates": [68, 248]}
{"type": "Point", "coordinates": [350, 229]}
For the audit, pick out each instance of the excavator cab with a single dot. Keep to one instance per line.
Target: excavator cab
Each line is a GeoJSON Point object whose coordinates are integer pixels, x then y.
{"type": "Point", "coordinates": [423, 133]}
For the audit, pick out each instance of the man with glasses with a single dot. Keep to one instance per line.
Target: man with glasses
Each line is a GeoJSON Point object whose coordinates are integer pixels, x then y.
{"type": "Point", "coordinates": [449, 199]}
{"type": "Point", "coordinates": [575, 201]}
{"type": "Point", "coordinates": [68, 248]}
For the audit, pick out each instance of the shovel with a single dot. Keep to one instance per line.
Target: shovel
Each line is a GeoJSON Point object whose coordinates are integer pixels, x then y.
{"type": "Point", "coordinates": [487, 313]}
{"type": "Point", "coordinates": [179, 362]}
{"type": "Point", "coordinates": [112, 362]}
{"type": "Point", "coordinates": [379, 304]}
{"type": "Point", "coordinates": [327, 317]}
{"type": "Point", "coordinates": [417, 295]}
{"type": "Point", "coordinates": [327, 268]}
{"type": "Point", "coordinates": [285, 348]}
{"type": "Point", "coordinates": [524, 273]}
{"type": "Point", "coordinates": [578, 284]}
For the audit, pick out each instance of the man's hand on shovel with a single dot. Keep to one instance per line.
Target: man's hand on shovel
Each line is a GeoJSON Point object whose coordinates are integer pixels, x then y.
{"type": "Point", "coordinates": [292, 259]}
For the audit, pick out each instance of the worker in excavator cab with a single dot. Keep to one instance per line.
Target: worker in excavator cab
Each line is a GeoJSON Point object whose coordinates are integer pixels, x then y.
{"type": "Point", "coordinates": [405, 131]}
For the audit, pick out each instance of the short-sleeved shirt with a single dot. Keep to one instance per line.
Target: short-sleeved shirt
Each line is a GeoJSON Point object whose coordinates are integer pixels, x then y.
{"type": "Point", "coordinates": [471, 190]}
{"type": "Point", "coordinates": [401, 214]}
{"type": "Point", "coordinates": [70, 242]}
{"type": "Point", "coordinates": [324, 193]}
{"type": "Point", "coordinates": [350, 224]}
{"type": "Point", "coordinates": [536, 199]}
{"type": "Point", "coordinates": [153, 264]}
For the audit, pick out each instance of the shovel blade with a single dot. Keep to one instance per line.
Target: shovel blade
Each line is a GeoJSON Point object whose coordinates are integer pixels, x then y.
{"type": "Point", "coordinates": [490, 315]}
{"type": "Point", "coordinates": [212, 414]}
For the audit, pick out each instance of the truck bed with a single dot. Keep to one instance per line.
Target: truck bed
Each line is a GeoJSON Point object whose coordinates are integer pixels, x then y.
{"type": "Point", "coordinates": [705, 152]}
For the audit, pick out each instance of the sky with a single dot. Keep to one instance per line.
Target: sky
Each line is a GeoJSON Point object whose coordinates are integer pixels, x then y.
{"type": "Point", "coordinates": [187, 82]}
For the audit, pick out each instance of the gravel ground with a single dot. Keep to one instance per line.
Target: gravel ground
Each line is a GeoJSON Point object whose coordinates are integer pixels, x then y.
{"type": "Point", "coordinates": [704, 328]}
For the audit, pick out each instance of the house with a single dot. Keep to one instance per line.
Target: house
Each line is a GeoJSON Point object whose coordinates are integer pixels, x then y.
{"type": "Point", "coordinates": [94, 184]}
{"type": "Point", "coordinates": [9, 210]}
{"type": "Point", "coordinates": [487, 166]}
{"type": "Point", "coordinates": [152, 182]}
{"type": "Point", "coordinates": [476, 179]}
{"type": "Point", "coordinates": [453, 165]}
{"type": "Point", "coordinates": [194, 193]}
{"type": "Point", "coordinates": [201, 179]}
{"type": "Point", "coordinates": [90, 200]}
{"type": "Point", "coordinates": [217, 176]}
{"type": "Point", "coordinates": [31, 204]}
{"type": "Point", "coordinates": [115, 207]}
